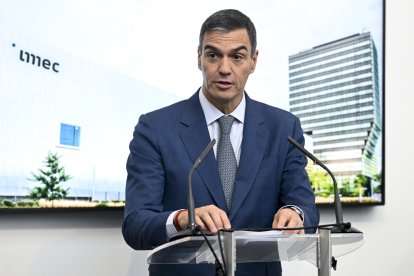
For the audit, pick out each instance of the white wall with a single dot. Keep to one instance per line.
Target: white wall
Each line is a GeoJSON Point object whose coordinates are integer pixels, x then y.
{"type": "Point", "coordinates": [90, 243]}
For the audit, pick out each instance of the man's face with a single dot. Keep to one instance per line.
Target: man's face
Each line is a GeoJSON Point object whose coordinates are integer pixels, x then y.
{"type": "Point", "coordinates": [226, 61]}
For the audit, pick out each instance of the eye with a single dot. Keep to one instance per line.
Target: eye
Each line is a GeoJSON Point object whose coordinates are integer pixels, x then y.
{"type": "Point", "coordinates": [211, 55]}
{"type": "Point", "coordinates": [237, 57]}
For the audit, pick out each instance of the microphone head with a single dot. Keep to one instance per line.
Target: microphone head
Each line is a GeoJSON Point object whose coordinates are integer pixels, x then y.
{"type": "Point", "coordinates": [204, 153]}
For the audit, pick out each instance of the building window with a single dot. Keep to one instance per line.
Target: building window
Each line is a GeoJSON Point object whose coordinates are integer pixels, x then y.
{"type": "Point", "coordinates": [69, 135]}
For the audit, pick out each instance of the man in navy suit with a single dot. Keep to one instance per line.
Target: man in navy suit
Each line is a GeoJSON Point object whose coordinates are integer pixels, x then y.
{"type": "Point", "coordinates": [271, 187]}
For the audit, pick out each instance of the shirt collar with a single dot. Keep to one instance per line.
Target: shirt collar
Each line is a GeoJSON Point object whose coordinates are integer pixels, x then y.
{"type": "Point", "coordinates": [212, 113]}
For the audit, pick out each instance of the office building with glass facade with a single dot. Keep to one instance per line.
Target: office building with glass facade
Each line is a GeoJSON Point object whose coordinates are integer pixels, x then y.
{"type": "Point", "coordinates": [334, 90]}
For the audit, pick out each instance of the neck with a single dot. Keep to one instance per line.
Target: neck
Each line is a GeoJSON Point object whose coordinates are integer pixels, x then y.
{"type": "Point", "coordinates": [226, 106]}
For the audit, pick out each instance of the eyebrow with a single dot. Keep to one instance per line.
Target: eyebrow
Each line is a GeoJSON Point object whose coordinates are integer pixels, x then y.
{"type": "Point", "coordinates": [210, 47]}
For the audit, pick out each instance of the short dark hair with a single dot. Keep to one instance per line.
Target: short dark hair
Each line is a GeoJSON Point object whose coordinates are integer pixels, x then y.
{"type": "Point", "coordinates": [229, 20]}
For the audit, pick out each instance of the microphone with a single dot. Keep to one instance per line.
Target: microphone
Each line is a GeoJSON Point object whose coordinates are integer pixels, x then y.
{"type": "Point", "coordinates": [192, 228]}
{"type": "Point", "coordinates": [341, 227]}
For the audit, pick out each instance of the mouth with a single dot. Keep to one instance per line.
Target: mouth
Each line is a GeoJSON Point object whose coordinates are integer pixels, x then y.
{"type": "Point", "coordinates": [223, 84]}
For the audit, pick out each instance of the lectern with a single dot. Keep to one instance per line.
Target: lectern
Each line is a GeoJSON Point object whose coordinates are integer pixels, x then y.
{"type": "Point", "coordinates": [259, 246]}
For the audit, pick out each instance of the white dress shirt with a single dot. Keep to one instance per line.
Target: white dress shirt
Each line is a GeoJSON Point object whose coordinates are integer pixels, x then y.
{"type": "Point", "coordinates": [212, 114]}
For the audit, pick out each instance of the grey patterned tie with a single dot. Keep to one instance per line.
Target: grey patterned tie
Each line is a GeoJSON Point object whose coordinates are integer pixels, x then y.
{"type": "Point", "coordinates": [227, 163]}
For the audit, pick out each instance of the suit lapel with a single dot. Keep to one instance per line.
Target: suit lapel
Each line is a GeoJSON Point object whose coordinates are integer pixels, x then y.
{"type": "Point", "coordinates": [195, 124]}
{"type": "Point", "coordinates": [252, 152]}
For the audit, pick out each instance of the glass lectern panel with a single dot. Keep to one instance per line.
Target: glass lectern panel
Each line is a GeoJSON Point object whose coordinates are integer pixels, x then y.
{"type": "Point", "coordinates": [254, 247]}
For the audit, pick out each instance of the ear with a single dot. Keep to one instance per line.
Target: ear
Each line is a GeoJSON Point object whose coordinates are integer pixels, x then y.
{"type": "Point", "coordinates": [199, 57]}
{"type": "Point", "coordinates": [254, 61]}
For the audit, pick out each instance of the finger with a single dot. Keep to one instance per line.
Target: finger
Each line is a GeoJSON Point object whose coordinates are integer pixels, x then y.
{"type": "Point", "coordinates": [293, 223]}
{"type": "Point", "coordinates": [226, 221]}
{"type": "Point", "coordinates": [217, 220]}
{"type": "Point", "coordinates": [200, 219]}
{"type": "Point", "coordinates": [205, 216]}
{"type": "Point", "coordinates": [221, 219]}
{"type": "Point", "coordinates": [279, 221]}
{"type": "Point", "coordinates": [200, 222]}
{"type": "Point", "coordinates": [208, 222]}
{"type": "Point", "coordinates": [213, 218]}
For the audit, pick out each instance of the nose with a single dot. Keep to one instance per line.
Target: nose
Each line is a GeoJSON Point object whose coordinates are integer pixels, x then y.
{"type": "Point", "coordinates": [225, 66]}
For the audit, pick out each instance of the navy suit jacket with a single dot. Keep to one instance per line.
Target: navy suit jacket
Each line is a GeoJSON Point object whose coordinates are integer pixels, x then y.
{"type": "Point", "coordinates": [168, 141]}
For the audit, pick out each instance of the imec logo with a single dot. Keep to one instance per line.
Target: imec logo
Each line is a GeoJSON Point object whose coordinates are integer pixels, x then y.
{"type": "Point", "coordinates": [37, 60]}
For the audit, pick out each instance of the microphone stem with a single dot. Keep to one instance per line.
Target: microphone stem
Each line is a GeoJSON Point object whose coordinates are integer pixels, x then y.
{"type": "Point", "coordinates": [337, 200]}
{"type": "Point", "coordinates": [191, 208]}
{"type": "Point", "coordinates": [337, 204]}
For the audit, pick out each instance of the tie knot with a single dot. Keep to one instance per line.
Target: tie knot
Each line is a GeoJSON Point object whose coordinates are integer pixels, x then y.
{"type": "Point", "coordinates": [225, 123]}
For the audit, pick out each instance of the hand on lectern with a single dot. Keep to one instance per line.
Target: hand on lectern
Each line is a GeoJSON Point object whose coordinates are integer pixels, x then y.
{"type": "Point", "coordinates": [209, 218]}
{"type": "Point", "coordinates": [288, 218]}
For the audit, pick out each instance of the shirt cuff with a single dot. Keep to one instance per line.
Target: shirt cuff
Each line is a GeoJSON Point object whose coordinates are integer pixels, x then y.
{"type": "Point", "coordinates": [169, 225]}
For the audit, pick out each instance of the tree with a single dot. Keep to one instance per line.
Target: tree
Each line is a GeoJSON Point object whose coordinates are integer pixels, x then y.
{"type": "Point", "coordinates": [362, 182]}
{"type": "Point", "coordinates": [377, 186]}
{"type": "Point", "coordinates": [377, 177]}
{"type": "Point", "coordinates": [51, 178]}
{"type": "Point", "coordinates": [321, 183]}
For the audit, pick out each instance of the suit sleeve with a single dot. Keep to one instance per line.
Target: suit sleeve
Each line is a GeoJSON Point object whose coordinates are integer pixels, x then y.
{"type": "Point", "coordinates": [296, 188]}
{"type": "Point", "coordinates": [144, 225]}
